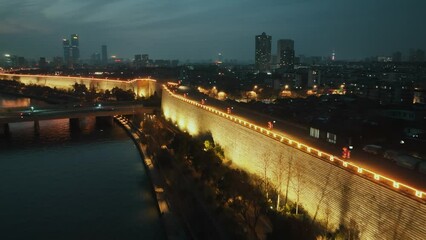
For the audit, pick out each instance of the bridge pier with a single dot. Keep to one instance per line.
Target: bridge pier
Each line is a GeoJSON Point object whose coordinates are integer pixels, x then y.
{"type": "Point", "coordinates": [105, 121]}
{"type": "Point", "coordinates": [37, 127]}
{"type": "Point", "coordinates": [6, 129]}
{"type": "Point", "coordinates": [75, 123]}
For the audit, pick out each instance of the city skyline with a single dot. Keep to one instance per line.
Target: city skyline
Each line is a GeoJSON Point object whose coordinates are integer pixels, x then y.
{"type": "Point", "coordinates": [353, 30]}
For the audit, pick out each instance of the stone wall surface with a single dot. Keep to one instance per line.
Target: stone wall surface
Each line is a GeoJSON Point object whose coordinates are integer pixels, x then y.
{"type": "Point", "coordinates": [333, 195]}
{"type": "Point", "coordinates": [141, 87]}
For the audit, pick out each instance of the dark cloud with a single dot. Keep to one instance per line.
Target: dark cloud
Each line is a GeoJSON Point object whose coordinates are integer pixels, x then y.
{"type": "Point", "coordinates": [198, 29]}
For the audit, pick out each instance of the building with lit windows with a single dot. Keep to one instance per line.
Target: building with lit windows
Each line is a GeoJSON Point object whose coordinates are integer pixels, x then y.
{"type": "Point", "coordinates": [263, 52]}
{"type": "Point", "coordinates": [285, 54]}
{"type": "Point", "coordinates": [67, 51]}
{"type": "Point", "coordinates": [75, 51]}
{"type": "Point", "coordinates": [71, 50]}
{"type": "Point", "coordinates": [145, 60]}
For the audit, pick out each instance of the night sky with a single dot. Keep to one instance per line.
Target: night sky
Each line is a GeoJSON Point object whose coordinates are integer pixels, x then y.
{"type": "Point", "coordinates": [199, 29]}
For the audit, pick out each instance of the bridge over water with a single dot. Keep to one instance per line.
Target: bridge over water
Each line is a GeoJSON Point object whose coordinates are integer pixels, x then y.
{"type": "Point", "coordinates": [14, 115]}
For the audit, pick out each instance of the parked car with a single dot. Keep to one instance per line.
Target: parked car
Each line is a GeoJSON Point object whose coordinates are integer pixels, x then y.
{"type": "Point", "coordinates": [422, 167]}
{"type": "Point", "coordinates": [407, 161]}
{"type": "Point", "coordinates": [374, 149]}
{"type": "Point", "coordinates": [391, 154]}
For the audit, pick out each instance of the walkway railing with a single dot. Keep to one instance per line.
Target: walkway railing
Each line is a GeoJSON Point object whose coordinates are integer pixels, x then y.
{"type": "Point", "coordinates": [348, 166]}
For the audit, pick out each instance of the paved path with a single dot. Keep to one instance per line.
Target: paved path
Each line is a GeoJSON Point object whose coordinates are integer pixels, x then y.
{"type": "Point", "coordinates": [174, 229]}
{"type": "Point", "coordinates": [301, 134]}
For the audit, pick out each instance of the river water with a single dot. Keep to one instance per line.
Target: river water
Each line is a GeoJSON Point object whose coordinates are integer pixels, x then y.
{"type": "Point", "coordinates": [74, 184]}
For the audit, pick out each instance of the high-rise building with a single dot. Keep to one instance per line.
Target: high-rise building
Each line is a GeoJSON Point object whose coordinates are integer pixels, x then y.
{"type": "Point", "coordinates": [75, 50]}
{"type": "Point", "coordinates": [145, 60]}
{"type": "Point", "coordinates": [314, 78]}
{"type": "Point", "coordinates": [57, 62]}
{"type": "Point", "coordinates": [8, 60]}
{"type": "Point", "coordinates": [104, 55]}
{"type": "Point", "coordinates": [137, 61]}
{"type": "Point", "coordinates": [219, 58]}
{"type": "Point", "coordinates": [333, 56]}
{"type": "Point", "coordinates": [71, 50]}
{"type": "Point", "coordinates": [285, 54]}
{"type": "Point", "coordinates": [67, 51]}
{"type": "Point", "coordinates": [42, 63]}
{"type": "Point", "coordinates": [263, 52]}
{"type": "Point", "coordinates": [95, 59]}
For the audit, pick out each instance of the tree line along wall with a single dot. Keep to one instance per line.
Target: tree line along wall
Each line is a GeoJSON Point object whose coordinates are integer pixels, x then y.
{"type": "Point", "coordinates": [141, 87]}
{"type": "Point", "coordinates": [331, 194]}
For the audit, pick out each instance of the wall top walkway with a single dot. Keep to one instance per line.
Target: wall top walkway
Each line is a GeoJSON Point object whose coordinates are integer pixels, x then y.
{"type": "Point", "coordinates": [384, 181]}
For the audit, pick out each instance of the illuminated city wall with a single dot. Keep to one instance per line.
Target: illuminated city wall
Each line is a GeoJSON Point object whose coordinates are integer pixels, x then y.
{"type": "Point", "coordinates": [141, 87]}
{"type": "Point", "coordinates": [332, 194]}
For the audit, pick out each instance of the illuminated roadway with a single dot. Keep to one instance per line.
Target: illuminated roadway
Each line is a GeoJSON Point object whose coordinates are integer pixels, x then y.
{"type": "Point", "coordinates": [361, 163]}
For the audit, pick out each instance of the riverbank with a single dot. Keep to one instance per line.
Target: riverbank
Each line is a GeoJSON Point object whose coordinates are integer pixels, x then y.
{"type": "Point", "coordinates": [173, 228]}
{"type": "Point", "coordinates": [69, 183]}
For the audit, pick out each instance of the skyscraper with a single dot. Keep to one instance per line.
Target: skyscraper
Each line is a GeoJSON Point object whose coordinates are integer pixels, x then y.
{"type": "Point", "coordinates": [95, 59]}
{"type": "Point", "coordinates": [145, 60]}
{"type": "Point", "coordinates": [75, 51]}
{"type": "Point", "coordinates": [137, 62]}
{"type": "Point", "coordinates": [285, 54]}
{"type": "Point", "coordinates": [42, 63]}
{"type": "Point", "coordinates": [71, 50]}
{"type": "Point", "coordinates": [104, 55]}
{"type": "Point", "coordinates": [67, 51]}
{"type": "Point", "coordinates": [263, 52]}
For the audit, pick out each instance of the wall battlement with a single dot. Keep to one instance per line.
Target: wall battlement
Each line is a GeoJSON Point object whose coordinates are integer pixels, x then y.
{"type": "Point", "coordinates": [141, 87]}
{"type": "Point", "coordinates": [334, 191]}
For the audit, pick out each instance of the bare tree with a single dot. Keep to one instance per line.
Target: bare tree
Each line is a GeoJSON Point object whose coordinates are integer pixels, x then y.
{"type": "Point", "coordinates": [327, 219]}
{"type": "Point", "coordinates": [247, 199]}
{"type": "Point", "coordinates": [279, 170]}
{"type": "Point", "coordinates": [297, 182]}
{"type": "Point", "coordinates": [265, 165]}
{"type": "Point", "coordinates": [324, 192]}
{"type": "Point", "coordinates": [289, 173]}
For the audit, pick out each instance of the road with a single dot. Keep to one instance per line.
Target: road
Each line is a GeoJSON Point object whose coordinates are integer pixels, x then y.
{"type": "Point", "coordinates": [11, 115]}
{"type": "Point", "coordinates": [298, 133]}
